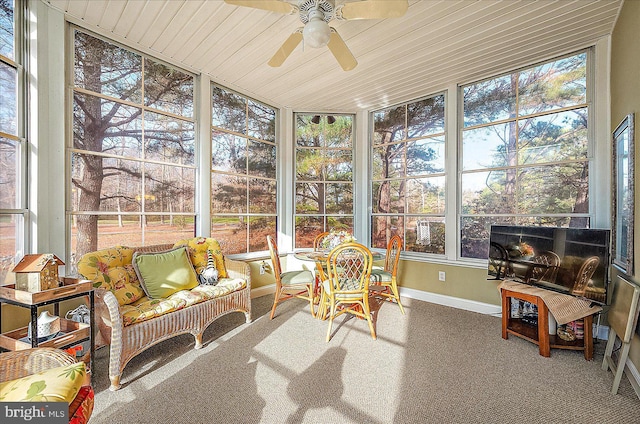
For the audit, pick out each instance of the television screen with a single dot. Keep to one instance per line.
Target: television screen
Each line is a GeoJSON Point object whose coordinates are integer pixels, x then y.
{"type": "Point", "coordinates": [568, 260]}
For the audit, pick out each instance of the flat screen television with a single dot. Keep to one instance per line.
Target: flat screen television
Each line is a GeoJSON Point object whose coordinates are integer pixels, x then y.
{"type": "Point", "coordinates": [567, 260]}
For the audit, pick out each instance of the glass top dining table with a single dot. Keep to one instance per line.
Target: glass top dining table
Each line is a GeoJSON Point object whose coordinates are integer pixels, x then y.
{"type": "Point", "coordinates": [319, 257]}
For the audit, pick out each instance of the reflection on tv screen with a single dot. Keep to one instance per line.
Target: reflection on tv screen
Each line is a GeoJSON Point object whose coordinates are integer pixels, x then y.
{"type": "Point", "coordinates": [568, 260]}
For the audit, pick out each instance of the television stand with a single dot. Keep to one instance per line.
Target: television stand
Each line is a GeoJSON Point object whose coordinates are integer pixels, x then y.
{"type": "Point", "coordinates": [540, 335]}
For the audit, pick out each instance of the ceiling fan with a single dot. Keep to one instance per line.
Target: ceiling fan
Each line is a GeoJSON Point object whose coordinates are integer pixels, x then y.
{"type": "Point", "coordinates": [316, 15]}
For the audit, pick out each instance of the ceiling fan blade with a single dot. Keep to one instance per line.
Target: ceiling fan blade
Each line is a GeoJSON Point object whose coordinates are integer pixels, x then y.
{"type": "Point", "coordinates": [341, 52]}
{"type": "Point", "coordinates": [270, 5]}
{"type": "Point", "coordinates": [287, 47]}
{"type": "Point", "coordinates": [374, 9]}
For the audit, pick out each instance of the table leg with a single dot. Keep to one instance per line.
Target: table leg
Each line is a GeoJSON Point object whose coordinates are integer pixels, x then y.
{"type": "Point", "coordinates": [34, 326]}
{"type": "Point", "coordinates": [317, 291]}
{"type": "Point", "coordinates": [543, 328]}
{"type": "Point", "coordinates": [588, 337]}
{"type": "Point", "coordinates": [506, 313]}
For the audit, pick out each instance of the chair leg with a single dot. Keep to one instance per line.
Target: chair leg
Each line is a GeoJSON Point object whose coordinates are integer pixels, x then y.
{"type": "Point", "coordinates": [311, 301]}
{"type": "Point", "coordinates": [276, 298]}
{"type": "Point", "coordinates": [331, 315]}
{"type": "Point", "coordinates": [367, 315]}
{"type": "Point", "coordinates": [322, 306]}
{"type": "Point", "coordinates": [396, 295]}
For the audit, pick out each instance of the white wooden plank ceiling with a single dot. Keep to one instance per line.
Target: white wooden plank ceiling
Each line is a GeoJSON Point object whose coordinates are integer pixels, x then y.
{"type": "Point", "coordinates": [438, 42]}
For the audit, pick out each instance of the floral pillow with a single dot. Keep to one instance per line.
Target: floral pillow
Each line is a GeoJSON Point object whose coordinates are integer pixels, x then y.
{"type": "Point", "coordinates": [198, 248]}
{"type": "Point", "coordinates": [111, 269]}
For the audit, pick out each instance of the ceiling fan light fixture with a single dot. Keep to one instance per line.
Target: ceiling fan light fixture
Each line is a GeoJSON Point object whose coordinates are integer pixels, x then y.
{"type": "Point", "coordinates": [316, 33]}
{"type": "Point", "coordinates": [315, 119]}
{"type": "Point", "coordinates": [331, 119]}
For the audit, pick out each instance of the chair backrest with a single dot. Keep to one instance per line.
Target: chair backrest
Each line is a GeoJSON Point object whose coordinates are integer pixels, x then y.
{"type": "Point", "coordinates": [318, 240]}
{"type": "Point", "coordinates": [498, 260]}
{"type": "Point", "coordinates": [550, 261]}
{"type": "Point", "coordinates": [349, 268]}
{"type": "Point", "coordinates": [585, 273]}
{"type": "Point", "coordinates": [275, 258]}
{"type": "Point", "coordinates": [392, 256]}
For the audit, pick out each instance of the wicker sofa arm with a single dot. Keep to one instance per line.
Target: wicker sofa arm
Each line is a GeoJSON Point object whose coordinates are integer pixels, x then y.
{"type": "Point", "coordinates": [238, 269]}
{"type": "Point", "coordinates": [108, 314]}
{"type": "Point", "coordinates": [21, 363]}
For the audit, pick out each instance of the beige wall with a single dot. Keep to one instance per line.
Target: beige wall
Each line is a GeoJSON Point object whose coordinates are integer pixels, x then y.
{"type": "Point", "coordinates": [625, 99]}
{"type": "Point", "coordinates": [460, 282]}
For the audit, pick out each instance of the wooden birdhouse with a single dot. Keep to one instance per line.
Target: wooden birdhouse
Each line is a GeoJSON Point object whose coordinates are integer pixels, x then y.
{"type": "Point", "coordinates": [37, 272]}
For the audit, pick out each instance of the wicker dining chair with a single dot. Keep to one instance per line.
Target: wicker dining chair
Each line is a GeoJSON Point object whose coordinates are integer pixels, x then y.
{"type": "Point", "coordinates": [586, 271]}
{"type": "Point", "coordinates": [549, 261]}
{"type": "Point", "coordinates": [387, 277]}
{"type": "Point", "coordinates": [290, 284]}
{"type": "Point", "coordinates": [317, 241]}
{"type": "Point", "coordinates": [346, 289]}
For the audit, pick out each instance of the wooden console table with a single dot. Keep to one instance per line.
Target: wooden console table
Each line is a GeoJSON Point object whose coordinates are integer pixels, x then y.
{"type": "Point", "coordinates": [568, 308]}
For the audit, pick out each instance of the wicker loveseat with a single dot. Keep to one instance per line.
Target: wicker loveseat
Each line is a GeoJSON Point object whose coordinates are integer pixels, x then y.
{"type": "Point", "coordinates": [130, 322]}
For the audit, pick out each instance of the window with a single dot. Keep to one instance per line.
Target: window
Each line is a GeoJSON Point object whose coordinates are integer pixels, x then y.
{"type": "Point", "coordinates": [13, 205]}
{"type": "Point", "coordinates": [133, 151]}
{"type": "Point", "coordinates": [243, 172]}
{"type": "Point", "coordinates": [408, 175]}
{"type": "Point", "coordinates": [524, 151]}
{"type": "Point", "coordinates": [324, 175]}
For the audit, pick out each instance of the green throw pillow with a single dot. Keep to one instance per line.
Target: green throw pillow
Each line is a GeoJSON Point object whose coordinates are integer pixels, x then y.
{"type": "Point", "coordinates": [164, 273]}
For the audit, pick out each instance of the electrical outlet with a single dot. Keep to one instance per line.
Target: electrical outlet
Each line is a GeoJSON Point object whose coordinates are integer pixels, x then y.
{"type": "Point", "coordinates": [441, 275]}
{"type": "Point", "coordinates": [263, 268]}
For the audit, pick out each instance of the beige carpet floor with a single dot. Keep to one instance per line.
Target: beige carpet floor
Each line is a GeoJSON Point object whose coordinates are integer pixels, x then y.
{"type": "Point", "coordinates": [433, 365]}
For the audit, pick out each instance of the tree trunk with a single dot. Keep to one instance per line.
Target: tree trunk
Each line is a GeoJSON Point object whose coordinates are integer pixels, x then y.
{"type": "Point", "coordinates": [582, 200]}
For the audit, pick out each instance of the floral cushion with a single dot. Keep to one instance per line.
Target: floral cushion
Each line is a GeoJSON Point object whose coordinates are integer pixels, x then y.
{"type": "Point", "coordinates": [82, 406]}
{"type": "Point", "coordinates": [111, 269]}
{"type": "Point", "coordinates": [59, 384]}
{"type": "Point", "coordinates": [146, 308]}
{"type": "Point", "coordinates": [198, 247]}
{"type": "Point", "coordinates": [224, 286]}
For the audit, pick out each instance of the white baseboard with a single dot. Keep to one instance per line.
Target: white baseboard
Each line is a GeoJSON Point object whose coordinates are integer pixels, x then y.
{"type": "Point", "coordinates": [454, 302]}
{"type": "Point", "coordinates": [263, 291]}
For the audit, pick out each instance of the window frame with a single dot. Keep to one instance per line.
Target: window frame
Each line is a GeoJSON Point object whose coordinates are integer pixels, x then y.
{"type": "Point", "coordinates": [592, 145]}
{"type": "Point", "coordinates": [70, 149]}
{"type": "Point", "coordinates": [211, 172]}
{"type": "Point", "coordinates": [21, 210]}
{"type": "Point", "coordinates": [354, 176]}
{"type": "Point", "coordinates": [426, 256]}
